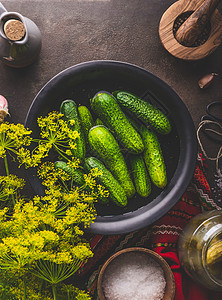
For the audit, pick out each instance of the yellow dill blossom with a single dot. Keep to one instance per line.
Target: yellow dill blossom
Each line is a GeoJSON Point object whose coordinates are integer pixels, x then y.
{"type": "Point", "coordinates": [64, 257]}
{"type": "Point", "coordinates": [13, 137]}
{"type": "Point", "coordinates": [68, 152]}
{"type": "Point", "coordinates": [80, 213]}
{"type": "Point", "coordinates": [82, 251]}
{"type": "Point", "coordinates": [72, 196]}
{"type": "Point", "coordinates": [2, 151]}
{"type": "Point", "coordinates": [82, 295]}
{"type": "Point", "coordinates": [34, 231]}
{"type": "Point", "coordinates": [89, 197]}
{"type": "Point", "coordinates": [74, 163]}
{"type": "Point", "coordinates": [74, 293]}
{"type": "Point", "coordinates": [90, 180]}
{"type": "Point", "coordinates": [17, 252]}
{"type": "Point", "coordinates": [9, 185]}
{"type": "Point", "coordinates": [78, 231]}
{"type": "Point", "coordinates": [24, 156]}
{"type": "Point", "coordinates": [96, 172]}
{"type": "Point", "coordinates": [26, 215]}
{"type": "Point", "coordinates": [3, 214]}
{"type": "Point", "coordinates": [52, 177]}
{"type": "Point", "coordinates": [52, 118]}
{"type": "Point", "coordinates": [61, 175]}
{"type": "Point", "coordinates": [74, 214]}
{"type": "Point", "coordinates": [101, 191]}
{"type": "Point", "coordinates": [55, 133]}
{"type": "Point", "coordinates": [14, 140]}
{"type": "Point", "coordinates": [40, 152]}
{"type": "Point", "coordinates": [45, 169]}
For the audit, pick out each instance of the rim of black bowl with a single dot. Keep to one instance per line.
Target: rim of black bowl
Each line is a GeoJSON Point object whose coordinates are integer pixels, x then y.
{"type": "Point", "coordinates": [146, 215]}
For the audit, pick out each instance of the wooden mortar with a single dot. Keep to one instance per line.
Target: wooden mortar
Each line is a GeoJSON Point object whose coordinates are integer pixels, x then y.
{"type": "Point", "coordinates": [168, 36]}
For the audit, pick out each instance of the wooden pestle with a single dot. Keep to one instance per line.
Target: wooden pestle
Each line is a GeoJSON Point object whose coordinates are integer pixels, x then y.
{"type": "Point", "coordinates": [189, 31]}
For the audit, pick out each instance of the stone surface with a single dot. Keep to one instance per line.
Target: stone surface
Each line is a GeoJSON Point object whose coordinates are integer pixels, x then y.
{"type": "Point", "coordinates": [84, 30]}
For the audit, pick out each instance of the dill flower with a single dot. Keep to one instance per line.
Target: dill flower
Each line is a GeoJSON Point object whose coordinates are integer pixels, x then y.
{"type": "Point", "coordinates": [102, 192]}
{"type": "Point", "coordinates": [34, 158]}
{"type": "Point", "coordinates": [9, 185]}
{"type": "Point", "coordinates": [55, 133]}
{"type": "Point", "coordinates": [74, 293]}
{"type": "Point", "coordinates": [52, 178]}
{"type": "Point", "coordinates": [12, 138]}
{"type": "Point", "coordinates": [90, 180]}
{"type": "Point", "coordinates": [74, 162]}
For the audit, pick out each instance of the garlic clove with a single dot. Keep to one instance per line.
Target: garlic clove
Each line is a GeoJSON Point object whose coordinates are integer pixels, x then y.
{"type": "Point", "coordinates": [3, 108]}
{"type": "Point", "coordinates": [206, 80]}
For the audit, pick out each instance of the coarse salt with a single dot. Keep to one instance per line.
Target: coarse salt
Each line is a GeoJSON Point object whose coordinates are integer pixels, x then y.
{"type": "Point", "coordinates": [134, 276]}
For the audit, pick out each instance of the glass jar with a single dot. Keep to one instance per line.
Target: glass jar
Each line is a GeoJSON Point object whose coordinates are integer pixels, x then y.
{"type": "Point", "coordinates": [200, 249]}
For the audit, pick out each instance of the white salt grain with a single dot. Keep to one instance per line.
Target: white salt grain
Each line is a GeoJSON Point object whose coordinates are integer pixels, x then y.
{"type": "Point", "coordinates": [134, 276]}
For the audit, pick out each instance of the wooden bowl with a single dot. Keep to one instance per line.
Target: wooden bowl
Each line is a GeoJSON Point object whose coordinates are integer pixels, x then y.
{"type": "Point", "coordinates": [170, 283]}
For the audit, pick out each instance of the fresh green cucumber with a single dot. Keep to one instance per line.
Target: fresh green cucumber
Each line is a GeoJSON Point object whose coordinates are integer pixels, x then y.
{"type": "Point", "coordinates": [106, 148]}
{"type": "Point", "coordinates": [86, 121]}
{"type": "Point", "coordinates": [140, 175]}
{"type": "Point", "coordinates": [108, 110]}
{"type": "Point", "coordinates": [153, 157]}
{"type": "Point", "coordinates": [116, 192]}
{"type": "Point", "coordinates": [76, 174]}
{"type": "Point", "coordinates": [144, 111]}
{"type": "Point", "coordinates": [69, 109]}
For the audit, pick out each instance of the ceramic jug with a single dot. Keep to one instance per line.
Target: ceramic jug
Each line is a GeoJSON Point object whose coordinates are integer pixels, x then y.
{"type": "Point", "coordinates": [20, 39]}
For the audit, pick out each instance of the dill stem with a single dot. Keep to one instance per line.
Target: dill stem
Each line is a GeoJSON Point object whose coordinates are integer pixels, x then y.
{"type": "Point", "coordinates": [41, 285]}
{"type": "Point", "coordinates": [54, 292]}
{"type": "Point", "coordinates": [60, 153]}
{"type": "Point", "coordinates": [6, 166]}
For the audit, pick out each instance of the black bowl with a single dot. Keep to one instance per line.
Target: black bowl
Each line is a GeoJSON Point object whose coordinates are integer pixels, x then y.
{"type": "Point", "coordinates": [80, 83]}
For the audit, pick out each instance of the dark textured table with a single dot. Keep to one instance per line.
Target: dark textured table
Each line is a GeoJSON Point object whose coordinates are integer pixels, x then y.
{"type": "Point", "coordinates": [83, 30]}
